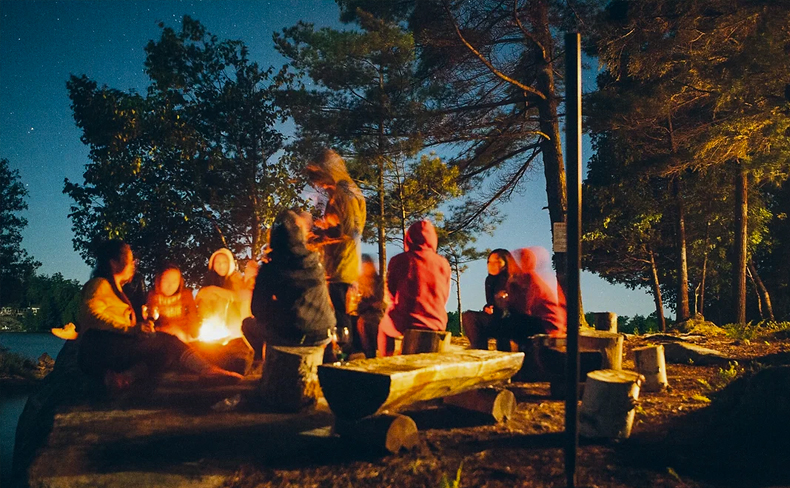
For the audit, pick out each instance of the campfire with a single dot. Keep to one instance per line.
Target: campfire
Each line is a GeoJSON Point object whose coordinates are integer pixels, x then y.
{"type": "Point", "coordinates": [215, 329]}
{"type": "Point", "coordinates": [223, 345]}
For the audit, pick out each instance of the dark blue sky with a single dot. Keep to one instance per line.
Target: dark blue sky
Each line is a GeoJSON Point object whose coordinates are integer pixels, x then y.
{"type": "Point", "coordinates": [43, 42]}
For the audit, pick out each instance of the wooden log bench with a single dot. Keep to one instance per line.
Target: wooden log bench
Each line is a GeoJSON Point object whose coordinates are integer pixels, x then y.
{"type": "Point", "coordinates": [363, 394]}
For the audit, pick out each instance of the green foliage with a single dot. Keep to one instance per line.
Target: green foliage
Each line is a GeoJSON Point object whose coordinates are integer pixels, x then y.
{"type": "Point", "coordinates": [725, 376]}
{"type": "Point", "coordinates": [692, 90]}
{"type": "Point", "coordinates": [365, 99]}
{"type": "Point", "coordinates": [191, 166]}
{"type": "Point", "coordinates": [752, 331]}
{"type": "Point", "coordinates": [15, 365]}
{"type": "Point", "coordinates": [455, 483]}
{"type": "Point", "coordinates": [15, 264]}
{"type": "Point", "coordinates": [638, 324]}
{"type": "Point", "coordinates": [454, 323]}
{"type": "Point", "coordinates": [58, 300]}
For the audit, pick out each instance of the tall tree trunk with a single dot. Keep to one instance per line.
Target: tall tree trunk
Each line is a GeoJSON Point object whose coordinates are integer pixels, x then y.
{"type": "Point", "coordinates": [457, 271]}
{"type": "Point", "coordinates": [551, 147]}
{"type": "Point", "coordinates": [739, 262]}
{"type": "Point", "coordinates": [701, 309]}
{"type": "Point", "coordinates": [682, 263]}
{"type": "Point", "coordinates": [382, 232]}
{"type": "Point", "coordinates": [762, 291]}
{"type": "Point", "coordinates": [657, 293]}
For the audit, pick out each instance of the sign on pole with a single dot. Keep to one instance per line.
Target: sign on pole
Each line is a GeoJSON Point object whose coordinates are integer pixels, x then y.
{"type": "Point", "coordinates": [560, 233]}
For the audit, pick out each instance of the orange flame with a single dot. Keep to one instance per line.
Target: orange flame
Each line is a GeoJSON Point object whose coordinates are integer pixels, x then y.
{"type": "Point", "coordinates": [214, 329]}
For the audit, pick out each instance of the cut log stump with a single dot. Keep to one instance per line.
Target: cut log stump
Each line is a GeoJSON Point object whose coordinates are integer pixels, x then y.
{"type": "Point", "coordinates": [417, 341]}
{"type": "Point", "coordinates": [289, 381]}
{"type": "Point", "coordinates": [392, 432]}
{"type": "Point", "coordinates": [361, 388]}
{"type": "Point", "coordinates": [650, 363]}
{"type": "Point", "coordinates": [606, 321]}
{"type": "Point", "coordinates": [496, 404]}
{"type": "Point", "coordinates": [609, 343]}
{"type": "Point", "coordinates": [607, 408]}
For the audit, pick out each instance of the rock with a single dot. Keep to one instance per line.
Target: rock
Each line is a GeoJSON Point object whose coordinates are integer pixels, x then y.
{"type": "Point", "coordinates": [685, 353]}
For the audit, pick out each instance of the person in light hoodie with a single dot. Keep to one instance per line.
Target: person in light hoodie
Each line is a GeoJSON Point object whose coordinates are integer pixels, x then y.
{"type": "Point", "coordinates": [419, 282]}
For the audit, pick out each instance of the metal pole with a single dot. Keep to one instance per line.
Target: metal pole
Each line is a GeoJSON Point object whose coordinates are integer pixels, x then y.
{"type": "Point", "coordinates": [573, 151]}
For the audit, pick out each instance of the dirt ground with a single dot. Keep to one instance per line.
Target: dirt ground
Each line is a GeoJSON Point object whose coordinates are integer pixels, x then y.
{"type": "Point", "coordinates": [693, 434]}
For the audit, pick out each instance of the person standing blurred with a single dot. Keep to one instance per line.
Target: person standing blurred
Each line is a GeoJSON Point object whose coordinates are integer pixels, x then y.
{"type": "Point", "coordinates": [339, 231]}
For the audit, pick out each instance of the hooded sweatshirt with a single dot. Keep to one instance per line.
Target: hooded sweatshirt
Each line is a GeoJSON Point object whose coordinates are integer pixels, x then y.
{"type": "Point", "coordinates": [538, 299]}
{"type": "Point", "coordinates": [419, 281]}
{"type": "Point", "coordinates": [290, 300]}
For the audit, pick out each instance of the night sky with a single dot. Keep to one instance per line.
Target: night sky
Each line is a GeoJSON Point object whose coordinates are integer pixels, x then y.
{"type": "Point", "coordinates": [43, 42]}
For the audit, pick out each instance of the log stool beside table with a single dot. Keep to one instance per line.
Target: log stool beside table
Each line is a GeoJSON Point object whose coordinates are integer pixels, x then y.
{"type": "Point", "coordinates": [547, 356]}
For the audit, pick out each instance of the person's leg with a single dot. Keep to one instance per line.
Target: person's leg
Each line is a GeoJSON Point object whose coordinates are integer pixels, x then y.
{"type": "Point", "coordinates": [476, 327]}
{"type": "Point", "coordinates": [386, 336]}
{"type": "Point", "coordinates": [345, 329]}
{"type": "Point", "coordinates": [253, 332]}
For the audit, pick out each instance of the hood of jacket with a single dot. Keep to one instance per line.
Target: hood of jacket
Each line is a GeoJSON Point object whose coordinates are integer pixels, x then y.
{"type": "Point", "coordinates": [421, 235]}
{"type": "Point", "coordinates": [231, 260]}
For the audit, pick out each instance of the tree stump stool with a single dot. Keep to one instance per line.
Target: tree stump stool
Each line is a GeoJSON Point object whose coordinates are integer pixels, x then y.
{"type": "Point", "coordinates": [289, 381]}
{"type": "Point", "coordinates": [606, 321]}
{"type": "Point", "coordinates": [418, 341]}
{"type": "Point", "coordinates": [607, 408]}
{"type": "Point", "coordinates": [610, 345]}
{"type": "Point", "coordinates": [650, 362]}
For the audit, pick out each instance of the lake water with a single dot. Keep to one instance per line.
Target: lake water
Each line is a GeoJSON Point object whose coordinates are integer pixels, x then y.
{"type": "Point", "coordinates": [31, 346]}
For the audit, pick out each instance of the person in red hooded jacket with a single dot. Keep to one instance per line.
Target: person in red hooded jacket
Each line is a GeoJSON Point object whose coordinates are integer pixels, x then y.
{"type": "Point", "coordinates": [419, 282]}
{"type": "Point", "coordinates": [537, 306]}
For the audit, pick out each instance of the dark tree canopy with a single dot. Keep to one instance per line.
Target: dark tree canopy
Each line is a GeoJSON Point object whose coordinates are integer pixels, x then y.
{"type": "Point", "coordinates": [15, 264]}
{"type": "Point", "coordinates": [191, 166]}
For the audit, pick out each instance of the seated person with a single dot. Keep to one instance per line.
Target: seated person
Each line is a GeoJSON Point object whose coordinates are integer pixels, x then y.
{"type": "Point", "coordinates": [221, 295]}
{"type": "Point", "coordinates": [114, 345]}
{"type": "Point", "coordinates": [371, 306]}
{"type": "Point", "coordinates": [534, 307]}
{"type": "Point", "coordinates": [480, 326]}
{"type": "Point", "coordinates": [419, 282]}
{"type": "Point", "coordinates": [171, 305]}
{"type": "Point", "coordinates": [290, 301]}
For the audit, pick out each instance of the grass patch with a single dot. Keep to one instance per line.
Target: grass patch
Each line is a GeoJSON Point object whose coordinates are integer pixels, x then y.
{"type": "Point", "coordinates": [455, 483]}
{"type": "Point", "coordinates": [752, 331]}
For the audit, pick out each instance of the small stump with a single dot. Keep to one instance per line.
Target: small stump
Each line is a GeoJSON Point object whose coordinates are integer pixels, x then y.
{"type": "Point", "coordinates": [289, 381]}
{"type": "Point", "coordinates": [418, 341]}
{"type": "Point", "coordinates": [610, 345]}
{"type": "Point", "coordinates": [606, 321]}
{"type": "Point", "coordinates": [608, 403]}
{"type": "Point", "coordinates": [650, 363]}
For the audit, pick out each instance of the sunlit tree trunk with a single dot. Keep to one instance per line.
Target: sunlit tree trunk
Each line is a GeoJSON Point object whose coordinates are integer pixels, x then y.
{"type": "Point", "coordinates": [762, 291]}
{"type": "Point", "coordinates": [657, 293]}
{"type": "Point", "coordinates": [682, 262]}
{"type": "Point", "coordinates": [739, 261]}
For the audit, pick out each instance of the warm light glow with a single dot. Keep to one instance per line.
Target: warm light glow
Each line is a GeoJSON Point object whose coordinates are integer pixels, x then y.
{"type": "Point", "coordinates": [214, 330]}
